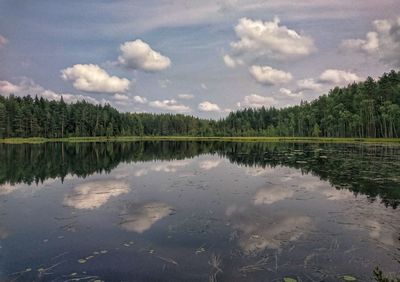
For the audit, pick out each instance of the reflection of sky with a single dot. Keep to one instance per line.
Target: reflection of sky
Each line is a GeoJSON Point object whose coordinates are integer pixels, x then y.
{"type": "Point", "coordinates": [258, 231]}
{"type": "Point", "coordinates": [143, 217]}
{"type": "Point", "coordinates": [7, 188]}
{"type": "Point", "coordinates": [94, 194]}
{"type": "Point", "coordinates": [272, 195]}
{"type": "Point", "coordinates": [3, 233]}
{"type": "Point", "coordinates": [209, 164]}
{"type": "Point", "coordinates": [286, 182]}
{"type": "Point", "coordinates": [224, 206]}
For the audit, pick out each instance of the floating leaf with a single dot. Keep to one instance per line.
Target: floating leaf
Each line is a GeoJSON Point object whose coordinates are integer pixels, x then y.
{"type": "Point", "coordinates": [288, 279]}
{"type": "Point", "coordinates": [81, 260]}
{"type": "Point", "coordinates": [349, 278]}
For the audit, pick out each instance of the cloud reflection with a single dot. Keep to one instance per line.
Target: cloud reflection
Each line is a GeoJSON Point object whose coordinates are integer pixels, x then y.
{"type": "Point", "coordinates": [141, 218]}
{"type": "Point", "coordinates": [257, 231]}
{"type": "Point", "coordinates": [272, 195]}
{"type": "Point", "coordinates": [94, 194]}
{"type": "Point", "coordinates": [209, 164]}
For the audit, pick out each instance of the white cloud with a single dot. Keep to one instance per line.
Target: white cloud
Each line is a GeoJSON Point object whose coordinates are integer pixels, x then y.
{"type": "Point", "coordinates": [269, 76]}
{"type": "Point", "coordinates": [140, 100]}
{"type": "Point", "coordinates": [232, 62]}
{"type": "Point", "coordinates": [3, 41]}
{"type": "Point", "coordinates": [92, 78]}
{"type": "Point", "coordinates": [338, 77]}
{"type": "Point", "coordinates": [7, 88]}
{"type": "Point", "coordinates": [120, 97]}
{"type": "Point", "coordinates": [271, 39]}
{"type": "Point", "coordinates": [139, 55]}
{"type": "Point", "coordinates": [257, 101]}
{"type": "Point", "coordinates": [29, 87]}
{"type": "Point", "coordinates": [92, 195]}
{"type": "Point", "coordinates": [208, 107]}
{"type": "Point", "coordinates": [169, 105]}
{"type": "Point", "coordinates": [185, 96]}
{"type": "Point", "coordinates": [290, 93]}
{"type": "Point", "coordinates": [382, 43]}
{"type": "Point", "coordinates": [308, 84]}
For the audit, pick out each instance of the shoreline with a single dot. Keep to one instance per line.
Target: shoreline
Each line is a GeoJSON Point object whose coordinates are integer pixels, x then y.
{"type": "Point", "coordinates": [39, 140]}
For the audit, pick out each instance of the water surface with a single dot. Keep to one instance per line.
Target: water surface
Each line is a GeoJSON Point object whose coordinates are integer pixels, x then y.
{"type": "Point", "coordinates": [198, 211]}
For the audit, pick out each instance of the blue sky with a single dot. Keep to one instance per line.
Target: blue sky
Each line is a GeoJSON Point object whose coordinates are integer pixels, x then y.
{"type": "Point", "coordinates": [201, 58]}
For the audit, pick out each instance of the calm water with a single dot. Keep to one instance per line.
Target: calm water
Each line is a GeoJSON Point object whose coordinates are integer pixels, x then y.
{"type": "Point", "coordinates": [198, 211]}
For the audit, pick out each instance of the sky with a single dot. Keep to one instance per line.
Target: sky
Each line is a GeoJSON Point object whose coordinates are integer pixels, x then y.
{"type": "Point", "coordinates": [202, 58]}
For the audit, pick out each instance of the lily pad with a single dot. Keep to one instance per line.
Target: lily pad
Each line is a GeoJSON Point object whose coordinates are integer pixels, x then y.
{"type": "Point", "coordinates": [349, 278]}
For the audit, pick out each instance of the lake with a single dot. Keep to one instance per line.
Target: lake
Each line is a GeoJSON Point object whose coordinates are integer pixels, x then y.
{"type": "Point", "coordinates": [198, 211]}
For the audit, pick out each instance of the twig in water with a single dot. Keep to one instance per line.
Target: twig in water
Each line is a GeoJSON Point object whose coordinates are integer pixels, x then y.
{"type": "Point", "coordinates": [215, 262]}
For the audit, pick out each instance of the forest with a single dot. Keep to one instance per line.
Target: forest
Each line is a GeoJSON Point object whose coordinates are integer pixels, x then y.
{"type": "Point", "coordinates": [369, 109]}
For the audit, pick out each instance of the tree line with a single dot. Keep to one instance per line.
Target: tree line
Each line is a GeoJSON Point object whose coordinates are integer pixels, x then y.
{"type": "Point", "coordinates": [365, 109]}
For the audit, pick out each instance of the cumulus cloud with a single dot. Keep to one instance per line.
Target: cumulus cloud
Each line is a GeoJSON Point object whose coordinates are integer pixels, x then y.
{"type": "Point", "coordinates": [169, 105]}
{"type": "Point", "coordinates": [270, 39]}
{"type": "Point", "coordinates": [257, 101]}
{"type": "Point", "coordinates": [3, 41]}
{"type": "Point", "coordinates": [121, 97]}
{"type": "Point", "coordinates": [94, 194]}
{"type": "Point", "coordinates": [185, 96]}
{"type": "Point", "coordinates": [7, 88]}
{"type": "Point", "coordinates": [141, 218]}
{"type": "Point", "coordinates": [92, 78]}
{"type": "Point", "coordinates": [140, 56]}
{"type": "Point", "coordinates": [140, 100]}
{"type": "Point", "coordinates": [383, 42]}
{"type": "Point", "coordinates": [231, 62]}
{"type": "Point", "coordinates": [338, 77]}
{"type": "Point", "coordinates": [208, 107]}
{"type": "Point", "coordinates": [290, 93]}
{"type": "Point", "coordinates": [269, 76]}
{"type": "Point", "coordinates": [308, 84]}
{"type": "Point", "coordinates": [29, 87]}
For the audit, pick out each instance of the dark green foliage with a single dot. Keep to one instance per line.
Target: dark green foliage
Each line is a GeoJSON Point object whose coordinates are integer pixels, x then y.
{"type": "Point", "coordinates": [27, 117]}
{"type": "Point", "coordinates": [366, 109]}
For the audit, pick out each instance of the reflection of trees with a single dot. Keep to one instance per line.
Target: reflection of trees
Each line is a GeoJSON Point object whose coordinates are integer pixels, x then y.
{"type": "Point", "coordinates": [368, 169]}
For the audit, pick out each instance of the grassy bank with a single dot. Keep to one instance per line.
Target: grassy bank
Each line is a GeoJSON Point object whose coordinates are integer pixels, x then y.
{"type": "Point", "coordinates": [194, 138]}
